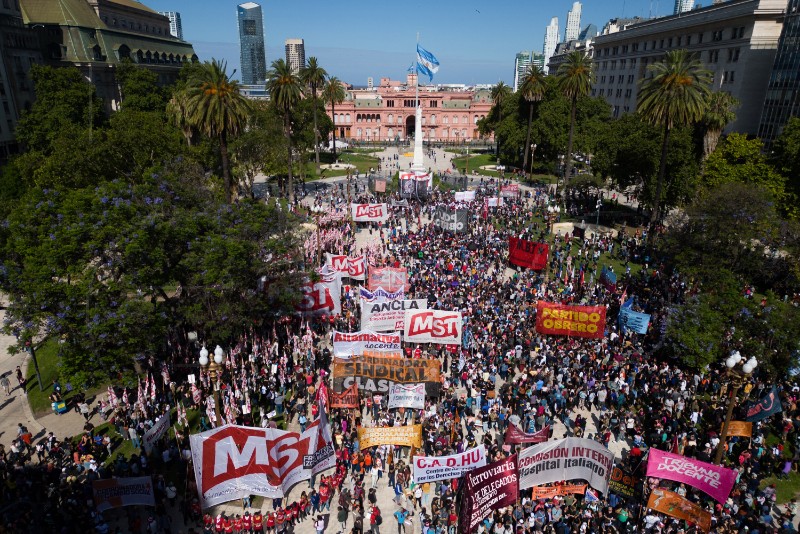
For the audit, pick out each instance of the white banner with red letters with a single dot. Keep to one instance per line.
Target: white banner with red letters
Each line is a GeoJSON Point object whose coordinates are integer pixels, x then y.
{"type": "Point", "coordinates": [348, 344]}
{"type": "Point", "coordinates": [370, 212]}
{"type": "Point", "coordinates": [407, 396]}
{"type": "Point", "coordinates": [388, 315]}
{"type": "Point", "coordinates": [156, 431]}
{"type": "Point", "coordinates": [323, 297]}
{"type": "Point", "coordinates": [231, 462]}
{"type": "Point", "coordinates": [125, 491]}
{"type": "Point", "coordinates": [354, 268]}
{"type": "Point", "coordinates": [432, 326]}
{"type": "Point", "coordinates": [432, 468]}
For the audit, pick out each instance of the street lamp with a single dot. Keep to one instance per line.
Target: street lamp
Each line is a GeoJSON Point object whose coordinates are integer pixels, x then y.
{"type": "Point", "coordinates": [737, 378]}
{"type": "Point", "coordinates": [530, 169]}
{"type": "Point", "coordinates": [214, 368]}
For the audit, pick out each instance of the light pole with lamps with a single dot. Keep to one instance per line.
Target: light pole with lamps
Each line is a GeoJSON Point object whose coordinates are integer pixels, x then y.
{"type": "Point", "coordinates": [213, 368]}
{"type": "Point", "coordinates": [737, 379]}
{"type": "Point", "coordinates": [530, 169]}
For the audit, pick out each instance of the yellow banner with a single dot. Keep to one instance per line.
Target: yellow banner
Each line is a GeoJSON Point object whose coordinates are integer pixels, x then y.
{"type": "Point", "coordinates": [410, 436]}
{"type": "Point", "coordinates": [739, 428]}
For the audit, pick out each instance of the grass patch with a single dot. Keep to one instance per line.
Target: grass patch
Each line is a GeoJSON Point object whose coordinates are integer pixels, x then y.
{"type": "Point", "coordinates": [476, 161]}
{"type": "Point", "coordinates": [360, 157]}
{"type": "Point", "coordinates": [786, 489]}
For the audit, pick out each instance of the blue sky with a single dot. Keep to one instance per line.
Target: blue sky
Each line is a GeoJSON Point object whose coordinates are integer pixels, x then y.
{"type": "Point", "coordinates": [474, 40]}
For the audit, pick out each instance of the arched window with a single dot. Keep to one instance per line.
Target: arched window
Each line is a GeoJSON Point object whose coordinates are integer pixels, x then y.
{"type": "Point", "coordinates": [336, 119]}
{"type": "Point", "coordinates": [476, 119]}
{"type": "Point", "coordinates": [464, 119]}
{"type": "Point", "coordinates": [124, 52]}
{"type": "Point", "coordinates": [358, 132]}
{"type": "Point", "coordinates": [464, 133]}
{"type": "Point", "coordinates": [391, 118]}
{"type": "Point", "coordinates": [376, 133]}
{"type": "Point", "coordinates": [433, 119]}
{"type": "Point", "coordinates": [347, 118]}
{"type": "Point", "coordinates": [391, 133]}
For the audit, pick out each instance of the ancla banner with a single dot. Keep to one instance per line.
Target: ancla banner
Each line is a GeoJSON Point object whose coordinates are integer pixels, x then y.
{"type": "Point", "coordinates": [768, 405]}
{"type": "Point", "coordinates": [432, 326]}
{"type": "Point", "coordinates": [409, 436]}
{"type": "Point", "coordinates": [231, 462]}
{"type": "Point", "coordinates": [712, 479]}
{"type": "Point", "coordinates": [388, 315]}
{"type": "Point", "coordinates": [524, 253]}
{"type": "Point", "coordinates": [346, 345]}
{"type": "Point", "coordinates": [485, 489]}
{"type": "Point", "coordinates": [388, 278]}
{"type": "Point", "coordinates": [451, 220]}
{"type": "Point", "coordinates": [566, 459]}
{"type": "Point", "coordinates": [407, 396]}
{"type": "Point", "coordinates": [369, 212]}
{"type": "Point", "coordinates": [354, 268]}
{"type": "Point", "coordinates": [515, 435]}
{"type": "Point", "coordinates": [116, 492]}
{"type": "Point", "coordinates": [578, 321]}
{"type": "Point", "coordinates": [432, 468]}
{"type": "Point", "coordinates": [670, 503]}
{"type": "Point", "coordinates": [156, 431]}
{"type": "Point", "coordinates": [346, 399]}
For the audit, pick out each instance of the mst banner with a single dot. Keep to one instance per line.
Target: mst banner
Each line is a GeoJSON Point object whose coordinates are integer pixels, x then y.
{"type": "Point", "coordinates": [389, 279]}
{"type": "Point", "coordinates": [451, 220]}
{"type": "Point", "coordinates": [432, 468]}
{"type": "Point", "coordinates": [116, 492]}
{"type": "Point", "coordinates": [672, 504]}
{"type": "Point", "coordinates": [375, 374]}
{"type": "Point", "coordinates": [409, 436]}
{"type": "Point", "coordinates": [566, 459]}
{"type": "Point", "coordinates": [354, 268]}
{"type": "Point", "coordinates": [432, 326]}
{"type": "Point", "coordinates": [562, 320]}
{"type": "Point", "coordinates": [407, 396]}
{"type": "Point", "coordinates": [231, 462]}
{"type": "Point", "coordinates": [348, 344]}
{"type": "Point", "coordinates": [488, 488]}
{"type": "Point", "coordinates": [529, 254]}
{"type": "Point", "coordinates": [323, 297]}
{"type": "Point", "coordinates": [369, 212]}
{"type": "Point", "coordinates": [388, 315]}
{"type": "Point", "coordinates": [346, 399]}
{"type": "Point", "coordinates": [712, 479]}
{"type": "Point", "coordinates": [515, 435]}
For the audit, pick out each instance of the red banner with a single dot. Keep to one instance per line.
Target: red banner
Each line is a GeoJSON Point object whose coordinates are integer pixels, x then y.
{"type": "Point", "coordinates": [485, 489]}
{"type": "Point", "coordinates": [515, 435]}
{"type": "Point", "coordinates": [510, 190]}
{"type": "Point", "coordinates": [388, 278]}
{"type": "Point", "coordinates": [346, 399]}
{"type": "Point", "coordinates": [578, 321]}
{"type": "Point", "coordinates": [526, 253]}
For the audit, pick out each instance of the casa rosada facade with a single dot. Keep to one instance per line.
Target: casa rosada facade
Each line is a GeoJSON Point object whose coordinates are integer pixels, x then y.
{"type": "Point", "coordinates": [387, 112]}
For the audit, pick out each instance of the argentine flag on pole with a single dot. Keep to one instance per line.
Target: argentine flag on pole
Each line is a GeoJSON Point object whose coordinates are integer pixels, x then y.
{"type": "Point", "coordinates": [426, 63]}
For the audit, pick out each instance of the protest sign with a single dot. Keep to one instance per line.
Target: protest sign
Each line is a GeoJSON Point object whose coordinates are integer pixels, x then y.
{"type": "Point", "coordinates": [388, 278]}
{"type": "Point", "coordinates": [768, 405]}
{"type": "Point", "coordinates": [432, 326]}
{"type": "Point", "coordinates": [346, 399]}
{"type": "Point", "coordinates": [354, 268]}
{"type": "Point", "coordinates": [380, 295]}
{"type": "Point", "coordinates": [739, 428]}
{"type": "Point", "coordinates": [451, 220]}
{"type": "Point", "coordinates": [388, 315]}
{"type": "Point", "coordinates": [125, 491]}
{"type": "Point", "coordinates": [369, 212]}
{"type": "Point", "coordinates": [407, 396]}
{"type": "Point", "coordinates": [548, 492]}
{"type": "Point", "coordinates": [346, 345]}
{"type": "Point", "coordinates": [670, 503]}
{"type": "Point", "coordinates": [510, 190]}
{"type": "Point", "coordinates": [431, 468]}
{"type": "Point", "coordinates": [488, 488]}
{"type": "Point", "coordinates": [566, 459]}
{"type": "Point", "coordinates": [714, 480]}
{"type": "Point", "coordinates": [376, 374]}
{"type": "Point", "coordinates": [409, 436]}
{"type": "Point", "coordinates": [530, 254]}
{"type": "Point", "coordinates": [563, 320]}
{"type": "Point", "coordinates": [155, 432]}
{"type": "Point", "coordinates": [465, 196]}
{"type": "Point", "coordinates": [323, 297]}
{"type": "Point", "coordinates": [631, 320]}
{"type": "Point", "coordinates": [622, 482]}
{"type": "Point", "coordinates": [515, 435]}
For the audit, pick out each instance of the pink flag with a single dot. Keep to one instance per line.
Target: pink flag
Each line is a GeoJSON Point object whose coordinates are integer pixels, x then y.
{"type": "Point", "coordinates": [152, 389]}
{"type": "Point", "coordinates": [197, 395]}
{"type": "Point", "coordinates": [715, 480]}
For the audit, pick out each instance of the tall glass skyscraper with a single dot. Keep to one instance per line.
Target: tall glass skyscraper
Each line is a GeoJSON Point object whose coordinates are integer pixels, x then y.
{"type": "Point", "coordinates": [783, 90]}
{"type": "Point", "coordinates": [251, 43]}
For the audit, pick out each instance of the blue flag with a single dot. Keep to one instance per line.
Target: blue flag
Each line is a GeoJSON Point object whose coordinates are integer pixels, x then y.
{"type": "Point", "coordinates": [426, 63]}
{"type": "Point", "coordinates": [768, 405]}
{"type": "Point", "coordinates": [629, 319]}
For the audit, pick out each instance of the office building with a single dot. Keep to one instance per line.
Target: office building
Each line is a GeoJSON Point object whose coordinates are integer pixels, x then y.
{"type": "Point", "coordinates": [251, 44]}
{"type": "Point", "coordinates": [589, 32]}
{"type": "Point", "coordinates": [573, 22]}
{"type": "Point", "coordinates": [295, 54]}
{"type": "Point", "coordinates": [522, 62]}
{"type": "Point", "coordinates": [175, 26]}
{"type": "Point", "coordinates": [551, 39]}
{"type": "Point", "coordinates": [370, 83]}
{"type": "Point", "coordinates": [783, 89]}
{"type": "Point", "coordinates": [736, 40]}
{"type": "Point", "coordinates": [682, 6]}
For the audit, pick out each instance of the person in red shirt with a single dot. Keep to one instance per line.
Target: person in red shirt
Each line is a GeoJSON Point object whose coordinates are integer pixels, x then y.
{"type": "Point", "coordinates": [208, 522]}
{"type": "Point", "coordinates": [271, 522]}
{"type": "Point", "coordinates": [219, 523]}
{"type": "Point", "coordinates": [280, 518]}
{"type": "Point", "coordinates": [247, 523]}
{"type": "Point", "coordinates": [237, 525]}
{"type": "Point", "coordinates": [324, 496]}
{"type": "Point", "coordinates": [228, 525]}
{"type": "Point", "coordinates": [258, 523]}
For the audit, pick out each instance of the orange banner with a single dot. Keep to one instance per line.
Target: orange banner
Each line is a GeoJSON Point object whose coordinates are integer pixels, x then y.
{"type": "Point", "coordinates": [578, 321]}
{"type": "Point", "coordinates": [548, 492]}
{"type": "Point", "coordinates": [346, 399]}
{"type": "Point", "coordinates": [739, 428]}
{"type": "Point", "coordinates": [673, 505]}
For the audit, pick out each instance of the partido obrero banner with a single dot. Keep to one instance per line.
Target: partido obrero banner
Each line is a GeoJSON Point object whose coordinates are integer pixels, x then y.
{"type": "Point", "coordinates": [566, 459]}
{"type": "Point", "coordinates": [116, 492]}
{"type": "Point", "coordinates": [376, 374]}
{"type": "Point", "coordinates": [369, 212]}
{"type": "Point", "coordinates": [432, 468]}
{"type": "Point", "coordinates": [388, 315]}
{"type": "Point", "coordinates": [354, 268]}
{"type": "Point", "coordinates": [346, 345]}
{"type": "Point", "coordinates": [712, 479]}
{"type": "Point", "coordinates": [231, 462]}
{"type": "Point", "coordinates": [451, 220]}
{"type": "Point", "coordinates": [407, 396]}
{"type": "Point", "coordinates": [488, 488]}
{"type": "Point", "coordinates": [524, 253]}
{"type": "Point", "coordinates": [577, 321]}
{"type": "Point", "coordinates": [408, 436]}
{"type": "Point", "coordinates": [432, 326]}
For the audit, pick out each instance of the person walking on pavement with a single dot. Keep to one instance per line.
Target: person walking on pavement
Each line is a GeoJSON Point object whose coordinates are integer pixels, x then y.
{"type": "Point", "coordinates": [6, 384]}
{"type": "Point", "coordinates": [401, 515]}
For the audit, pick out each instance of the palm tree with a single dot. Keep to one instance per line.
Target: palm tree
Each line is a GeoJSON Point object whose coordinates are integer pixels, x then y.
{"type": "Point", "coordinates": [716, 117]}
{"type": "Point", "coordinates": [333, 93]}
{"type": "Point", "coordinates": [212, 104]}
{"type": "Point", "coordinates": [532, 89]}
{"type": "Point", "coordinates": [574, 79]}
{"type": "Point", "coordinates": [285, 91]}
{"type": "Point", "coordinates": [499, 94]}
{"type": "Point", "coordinates": [313, 76]}
{"type": "Point", "coordinates": [676, 94]}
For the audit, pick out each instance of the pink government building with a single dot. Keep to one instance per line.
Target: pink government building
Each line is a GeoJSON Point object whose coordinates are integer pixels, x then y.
{"type": "Point", "coordinates": [450, 113]}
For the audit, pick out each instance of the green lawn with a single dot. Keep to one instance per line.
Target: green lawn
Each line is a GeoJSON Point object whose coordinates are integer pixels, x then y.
{"type": "Point", "coordinates": [358, 157]}
{"type": "Point", "coordinates": [475, 164]}
{"type": "Point", "coordinates": [786, 489]}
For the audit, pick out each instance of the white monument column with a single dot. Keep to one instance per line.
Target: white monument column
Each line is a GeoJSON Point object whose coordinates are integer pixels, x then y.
{"type": "Point", "coordinates": [418, 163]}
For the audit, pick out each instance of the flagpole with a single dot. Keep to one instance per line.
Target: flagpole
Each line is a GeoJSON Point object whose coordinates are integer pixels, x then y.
{"type": "Point", "coordinates": [416, 78]}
